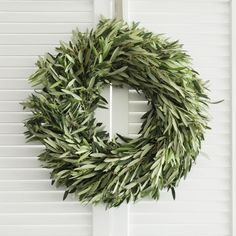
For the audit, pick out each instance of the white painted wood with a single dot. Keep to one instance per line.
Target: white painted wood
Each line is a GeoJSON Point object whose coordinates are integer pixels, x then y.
{"type": "Point", "coordinates": [120, 215]}
{"type": "Point", "coordinates": [204, 200]}
{"type": "Point", "coordinates": [103, 115]}
{"type": "Point", "coordinates": [233, 71]}
{"type": "Point", "coordinates": [101, 216]}
{"type": "Point", "coordinates": [101, 221]}
{"type": "Point", "coordinates": [102, 8]}
{"type": "Point", "coordinates": [120, 110]}
{"type": "Point", "coordinates": [120, 221]}
{"type": "Point", "coordinates": [29, 205]}
{"type": "Point", "coordinates": [110, 222]}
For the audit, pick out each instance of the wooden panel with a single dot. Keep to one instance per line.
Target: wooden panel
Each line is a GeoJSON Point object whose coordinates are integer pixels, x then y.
{"type": "Point", "coordinates": [29, 205]}
{"type": "Point", "coordinates": [203, 204]}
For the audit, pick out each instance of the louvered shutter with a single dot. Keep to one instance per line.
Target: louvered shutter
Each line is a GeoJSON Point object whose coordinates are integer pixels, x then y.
{"type": "Point", "coordinates": [29, 205]}
{"type": "Point", "coordinates": [203, 204]}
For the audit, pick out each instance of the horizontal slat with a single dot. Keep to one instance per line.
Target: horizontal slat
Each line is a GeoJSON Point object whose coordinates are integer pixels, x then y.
{"type": "Point", "coordinates": [18, 95]}
{"type": "Point", "coordinates": [26, 185]}
{"type": "Point", "coordinates": [190, 29]}
{"type": "Point", "coordinates": [135, 96]}
{"type": "Point", "coordinates": [18, 61]}
{"type": "Point", "coordinates": [210, 149]}
{"type": "Point", "coordinates": [52, 196]}
{"type": "Point", "coordinates": [134, 117]}
{"type": "Point", "coordinates": [170, 1]}
{"type": "Point", "coordinates": [216, 129]}
{"type": "Point", "coordinates": [45, 17]}
{"type": "Point", "coordinates": [177, 229]}
{"type": "Point", "coordinates": [15, 139]}
{"type": "Point", "coordinates": [171, 7]}
{"type": "Point", "coordinates": [19, 162]}
{"type": "Point", "coordinates": [25, 72]}
{"type": "Point", "coordinates": [29, 61]}
{"type": "Point", "coordinates": [16, 77]}
{"type": "Point", "coordinates": [180, 17]}
{"type": "Point", "coordinates": [206, 184]}
{"type": "Point", "coordinates": [46, 219]}
{"type": "Point", "coordinates": [20, 151]}
{"type": "Point", "coordinates": [54, 1]}
{"type": "Point", "coordinates": [14, 84]}
{"type": "Point", "coordinates": [141, 106]}
{"type": "Point", "coordinates": [202, 173]}
{"type": "Point", "coordinates": [25, 50]}
{"type": "Point", "coordinates": [46, 230]}
{"type": "Point", "coordinates": [46, 6]}
{"type": "Point", "coordinates": [13, 117]}
{"type": "Point", "coordinates": [214, 51]}
{"type": "Point", "coordinates": [35, 50]}
{"type": "Point", "coordinates": [213, 150]}
{"type": "Point", "coordinates": [19, 139]}
{"type": "Point", "coordinates": [178, 206]}
{"type": "Point", "coordinates": [34, 196]}
{"type": "Point", "coordinates": [180, 218]}
{"type": "Point", "coordinates": [42, 28]}
{"type": "Point", "coordinates": [33, 39]}
{"type": "Point", "coordinates": [12, 128]}
{"type": "Point", "coordinates": [203, 160]}
{"type": "Point", "coordinates": [49, 39]}
{"type": "Point", "coordinates": [44, 185]}
{"type": "Point", "coordinates": [40, 173]}
{"type": "Point", "coordinates": [11, 106]}
{"type": "Point", "coordinates": [14, 95]}
{"type": "Point", "coordinates": [24, 174]}
{"type": "Point", "coordinates": [44, 207]}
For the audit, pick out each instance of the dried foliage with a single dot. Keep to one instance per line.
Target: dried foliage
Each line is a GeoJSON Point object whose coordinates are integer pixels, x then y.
{"type": "Point", "coordinates": [78, 149]}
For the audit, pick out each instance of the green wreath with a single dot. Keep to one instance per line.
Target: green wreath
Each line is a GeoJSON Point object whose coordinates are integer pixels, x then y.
{"type": "Point", "coordinates": [78, 149]}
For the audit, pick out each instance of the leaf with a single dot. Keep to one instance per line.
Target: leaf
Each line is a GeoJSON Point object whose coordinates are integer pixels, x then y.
{"type": "Point", "coordinates": [115, 54]}
{"type": "Point", "coordinates": [98, 155]}
{"type": "Point", "coordinates": [72, 94]}
{"type": "Point", "coordinates": [173, 193]}
{"type": "Point", "coordinates": [78, 150]}
{"type": "Point", "coordinates": [84, 167]}
{"type": "Point", "coordinates": [146, 149]}
{"type": "Point", "coordinates": [91, 82]}
{"type": "Point", "coordinates": [119, 71]}
{"type": "Point", "coordinates": [80, 56]}
{"type": "Point", "coordinates": [51, 143]}
{"type": "Point", "coordinates": [70, 59]}
{"type": "Point", "coordinates": [65, 195]}
{"type": "Point", "coordinates": [55, 84]}
{"type": "Point", "coordinates": [135, 161]}
{"type": "Point", "coordinates": [131, 185]}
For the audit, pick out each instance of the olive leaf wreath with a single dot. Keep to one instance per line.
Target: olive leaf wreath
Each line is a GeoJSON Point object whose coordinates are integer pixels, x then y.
{"type": "Point", "coordinates": [78, 149]}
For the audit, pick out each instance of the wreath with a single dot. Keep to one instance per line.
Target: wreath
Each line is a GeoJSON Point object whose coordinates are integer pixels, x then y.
{"type": "Point", "coordinates": [77, 147]}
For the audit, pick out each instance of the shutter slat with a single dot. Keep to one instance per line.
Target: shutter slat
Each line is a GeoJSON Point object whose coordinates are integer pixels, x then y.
{"type": "Point", "coordinates": [40, 230]}
{"type": "Point", "coordinates": [42, 28]}
{"type": "Point", "coordinates": [44, 207]}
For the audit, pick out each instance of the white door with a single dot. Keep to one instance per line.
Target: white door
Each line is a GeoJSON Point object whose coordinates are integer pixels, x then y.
{"type": "Point", "coordinates": [30, 206]}
{"type": "Point", "coordinates": [204, 203]}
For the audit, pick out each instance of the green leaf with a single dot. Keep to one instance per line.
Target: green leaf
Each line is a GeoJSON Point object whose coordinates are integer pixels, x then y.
{"type": "Point", "coordinates": [72, 94]}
